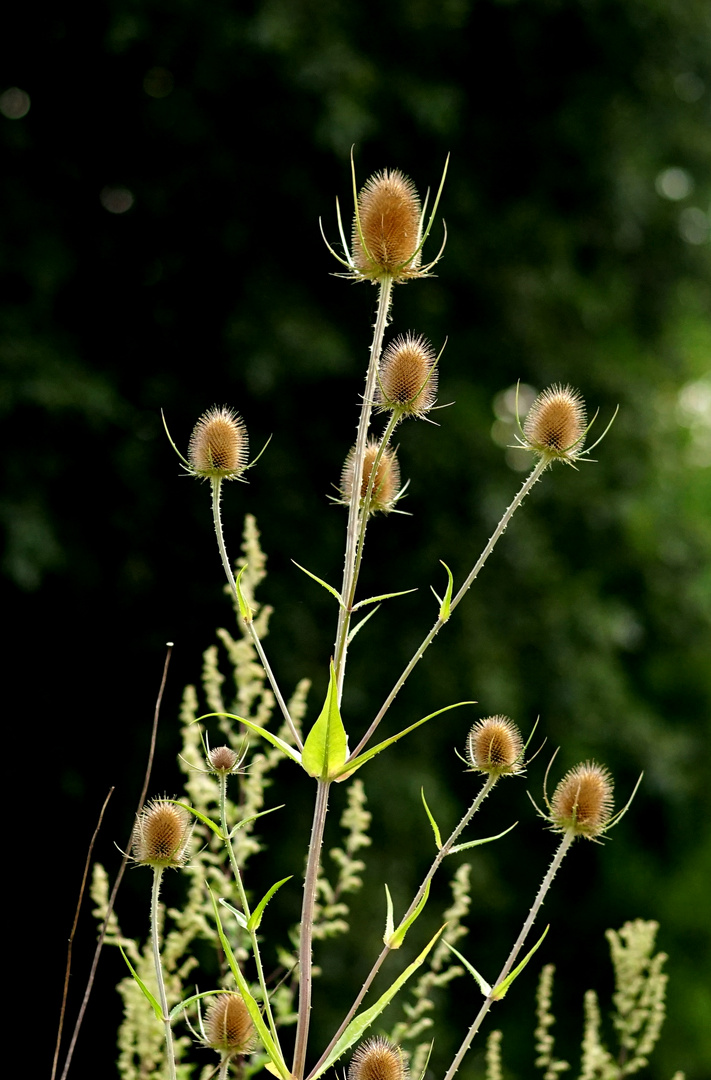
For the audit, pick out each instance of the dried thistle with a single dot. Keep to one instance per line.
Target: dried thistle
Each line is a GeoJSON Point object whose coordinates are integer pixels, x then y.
{"type": "Point", "coordinates": [378, 1059]}
{"type": "Point", "coordinates": [386, 228]}
{"type": "Point", "coordinates": [495, 746]}
{"type": "Point", "coordinates": [161, 835]}
{"type": "Point", "coordinates": [555, 427]}
{"type": "Point", "coordinates": [407, 378]}
{"type": "Point", "coordinates": [219, 446]}
{"type": "Point", "coordinates": [582, 803]}
{"type": "Point", "coordinates": [386, 483]}
{"type": "Point", "coordinates": [223, 759]}
{"type": "Point", "coordinates": [228, 1026]}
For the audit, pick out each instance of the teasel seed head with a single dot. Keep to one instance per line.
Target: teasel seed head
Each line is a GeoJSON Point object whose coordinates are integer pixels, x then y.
{"type": "Point", "coordinates": [378, 1059]}
{"type": "Point", "coordinates": [222, 759]}
{"type": "Point", "coordinates": [161, 835]}
{"type": "Point", "coordinates": [556, 424]}
{"type": "Point", "coordinates": [228, 1026]}
{"type": "Point", "coordinates": [389, 215]}
{"type": "Point", "coordinates": [386, 485]}
{"type": "Point", "coordinates": [495, 746]}
{"type": "Point", "coordinates": [219, 446]}
{"type": "Point", "coordinates": [582, 803]}
{"type": "Point", "coordinates": [407, 377]}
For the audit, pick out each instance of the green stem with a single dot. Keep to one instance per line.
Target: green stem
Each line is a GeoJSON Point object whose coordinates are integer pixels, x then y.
{"type": "Point", "coordinates": [528, 483]}
{"type": "Point", "coordinates": [354, 508]}
{"type": "Point", "coordinates": [169, 1051]}
{"type": "Point", "coordinates": [518, 945]}
{"type": "Point", "coordinates": [439, 858]}
{"type": "Point", "coordinates": [307, 928]}
{"type": "Point", "coordinates": [216, 484]}
{"type": "Point", "coordinates": [365, 510]}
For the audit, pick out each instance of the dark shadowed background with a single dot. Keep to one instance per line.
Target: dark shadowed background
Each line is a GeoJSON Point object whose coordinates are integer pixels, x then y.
{"type": "Point", "coordinates": [164, 170]}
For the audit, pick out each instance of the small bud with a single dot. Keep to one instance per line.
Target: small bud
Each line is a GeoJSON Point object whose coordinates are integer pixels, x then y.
{"type": "Point", "coordinates": [556, 424]}
{"type": "Point", "coordinates": [222, 759]}
{"type": "Point", "coordinates": [582, 802]}
{"type": "Point", "coordinates": [495, 746]}
{"type": "Point", "coordinates": [218, 447]}
{"type": "Point", "coordinates": [377, 1059]}
{"type": "Point", "coordinates": [386, 485]}
{"type": "Point", "coordinates": [228, 1026]}
{"type": "Point", "coordinates": [161, 834]}
{"type": "Point", "coordinates": [389, 215]}
{"type": "Point", "coordinates": [407, 377]}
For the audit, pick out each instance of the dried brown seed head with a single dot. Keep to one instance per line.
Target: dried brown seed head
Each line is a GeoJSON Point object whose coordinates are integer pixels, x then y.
{"type": "Point", "coordinates": [222, 759]}
{"type": "Point", "coordinates": [386, 484]}
{"type": "Point", "coordinates": [407, 376]}
{"type": "Point", "coordinates": [389, 214]}
{"type": "Point", "coordinates": [228, 1026]}
{"type": "Point", "coordinates": [161, 834]}
{"type": "Point", "coordinates": [582, 803]}
{"type": "Point", "coordinates": [556, 423]}
{"type": "Point", "coordinates": [219, 447]}
{"type": "Point", "coordinates": [495, 746]}
{"type": "Point", "coordinates": [378, 1059]}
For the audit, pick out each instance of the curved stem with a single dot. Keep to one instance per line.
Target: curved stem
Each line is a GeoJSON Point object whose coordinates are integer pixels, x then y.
{"type": "Point", "coordinates": [169, 1051]}
{"type": "Point", "coordinates": [307, 928]}
{"type": "Point", "coordinates": [518, 945]}
{"type": "Point", "coordinates": [528, 483]}
{"type": "Point", "coordinates": [354, 509]}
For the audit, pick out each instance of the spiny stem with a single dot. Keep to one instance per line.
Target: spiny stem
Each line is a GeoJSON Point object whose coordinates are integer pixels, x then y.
{"type": "Point", "coordinates": [528, 483]}
{"type": "Point", "coordinates": [518, 945]}
{"type": "Point", "coordinates": [354, 510]}
{"type": "Point", "coordinates": [387, 435]}
{"type": "Point", "coordinates": [216, 483]}
{"type": "Point", "coordinates": [169, 1051]}
{"type": "Point", "coordinates": [307, 928]}
{"type": "Point", "coordinates": [439, 858]}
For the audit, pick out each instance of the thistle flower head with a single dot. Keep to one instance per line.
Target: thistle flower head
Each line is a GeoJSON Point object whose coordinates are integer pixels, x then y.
{"type": "Point", "coordinates": [378, 1059]}
{"type": "Point", "coordinates": [386, 228]}
{"type": "Point", "coordinates": [386, 482]}
{"type": "Point", "coordinates": [495, 746]}
{"type": "Point", "coordinates": [223, 759]}
{"type": "Point", "coordinates": [219, 447]}
{"type": "Point", "coordinates": [556, 424]}
{"type": "Point", "coordinates": [228, 1026]}
{"type": "Point", "coordinates": [407, 377]}
{"type": "Point", "coordinates": [161, 834]}
{"type": "Point", "coordinates": [582, 803]}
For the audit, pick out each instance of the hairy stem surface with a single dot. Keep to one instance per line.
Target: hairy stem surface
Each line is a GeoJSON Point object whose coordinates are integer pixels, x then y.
{"type": "Point", "coordinates": [169, 1051]}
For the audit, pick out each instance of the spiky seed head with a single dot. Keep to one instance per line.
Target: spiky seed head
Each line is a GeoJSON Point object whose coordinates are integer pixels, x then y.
{"type": "Point", "coordinates": [495, 746]}
{"type": "Point", "coordinates": [582, 803]}
{"type": "Point", "coordinates": [222, 759]}
{"type": "Point", "coordinates": [390, 214]}
{"type": "Point", "coordinates": [161, 835]}
{"type": "Point", "coordinates": [219, 446]}
{"type": "Point", "coordinates": [228, 1026]}
{"type": "Point", "coordinates": [378, 1059]}
{"type": "Point", "coordinates": [408, 376]}
{"type": "Point", "coordinates": [386, 484]}
{"type": "Point", "coordinates": [556, 424]}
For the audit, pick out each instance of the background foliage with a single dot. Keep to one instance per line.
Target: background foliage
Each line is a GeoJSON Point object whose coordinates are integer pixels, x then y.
{"type": "Point", "coordinates": [578, 213]}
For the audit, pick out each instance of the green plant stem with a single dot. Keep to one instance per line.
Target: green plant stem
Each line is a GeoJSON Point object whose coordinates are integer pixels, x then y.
{"type": "Point", "coordinates": [365, 511]}
{"type": "Point", "coordinates": [245, 908]}
{"type": "Point", "coordinates": [385, 952]}
{"type": "Point", "coordinates": [307, 928]}
{"type": "Point", "coordinates": [518, 945]}
{"type": "Point", "coordinates": [354, 509]}
{"type": "Point", "coordinates": [216, 484]}
{"type": "Point", "coordinates": [169, 1051]}
{"type": "Point", "coordinates": [500, 529]}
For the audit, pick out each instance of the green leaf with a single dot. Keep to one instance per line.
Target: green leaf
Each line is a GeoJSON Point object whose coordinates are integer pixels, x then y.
{"type": "Point", "coordinates": [351, 766]}
{"type": "Point", "coordinates": [481, 981]}
{"type": "Point", "coordinates": [361, 624]}
{"type": "Point", "coordinates": [201, 817]}
{"type": "Point", "coordinates": [447, 602]}
{"type": "Point", "coordinates": [188, 1001]}
{"type": "Point", "coordinates": [398, 937]}
{"type": "Point", "coordinates": [484, 840]}
{"type": "Point", "coordinates": [263, 732]}
{"type": "Point", "coordinates": [389, 916]}
{"type": "Point", "coordinates": [362, 1022]}
{"type": "Point", "coordinates": [433, 823]}
{"type": "Point", "coordinates": [326, 746]}
{"type": "Point", "coordinates": [244, 608]}
{"type": "Point", "coordinates": [239, 915]}
{"type": "Point", "coordinates": [501, 990]}
{"type": "Point", "coordinates": [326, 586]}
{"type": "Point", "coordinates": [253, 817]}
{"type": "Point", "coordinates": [156, 1004]}
{"type": "Point", "coordinates": [376, 599]}
{"type": "Point", "coordinates": [271, 1047]}
{"type": "Point", "coordinates": [256, 916]}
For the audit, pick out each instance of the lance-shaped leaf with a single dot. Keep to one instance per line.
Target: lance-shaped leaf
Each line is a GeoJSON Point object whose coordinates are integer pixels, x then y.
{"type": "Point", "coordinates": [484, 840]}
{"type": "Point", "coordinates": [326, 746]}
{"type": "Point", "coordinates": [363, 621]}
{"type": "Point", "coordinates": [480, 980]}
{"type": "Point", "coordinates": [351, 766]}
{"type": "Point", "coordinates": [362, 1022]}
{"type": "Point", "coordinates": [253, 817]}
{"type": "Point", "coordinates": [396, 938]}
{"type": "Point", "coordinates": [446, 604]}
{"type": "Point", "coordinates": [433, 823]}
{"type": "Point", "coordinates": [383, 596]}
{"type": "Point", "coordinates": [239, 915]}
{"type": "Point", "coordinates": [201, 817]}
{"type": "Point", "coordinates": [244, 608]}
{"type": "Point", "coordinates": [500, 991]}
{"type": "Point", "coordinates": [263, 732]}
{"type": "Point", "coordinates": [324, 584]}
{"type": "Point", "coordinates": [256, 916]}
{"type": "Point", "coordinates": [270, 1045]}
{"type": "Point", "coordinates": [156, 1004]}
{"type": "Point", "coordinates": [177, 1009]}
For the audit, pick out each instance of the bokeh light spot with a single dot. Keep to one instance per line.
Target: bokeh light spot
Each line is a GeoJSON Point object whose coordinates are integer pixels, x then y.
{"type": "Point", "coordinates": [694, 226]}
{"type": "Point", "coordinates": [14, 103]}
{"type": "Point", "coordinates": [674, 184]}
{"type": "Point", "coordinates": [117, 200]}
{"type": "Point", "coordinates": [158, 82]}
